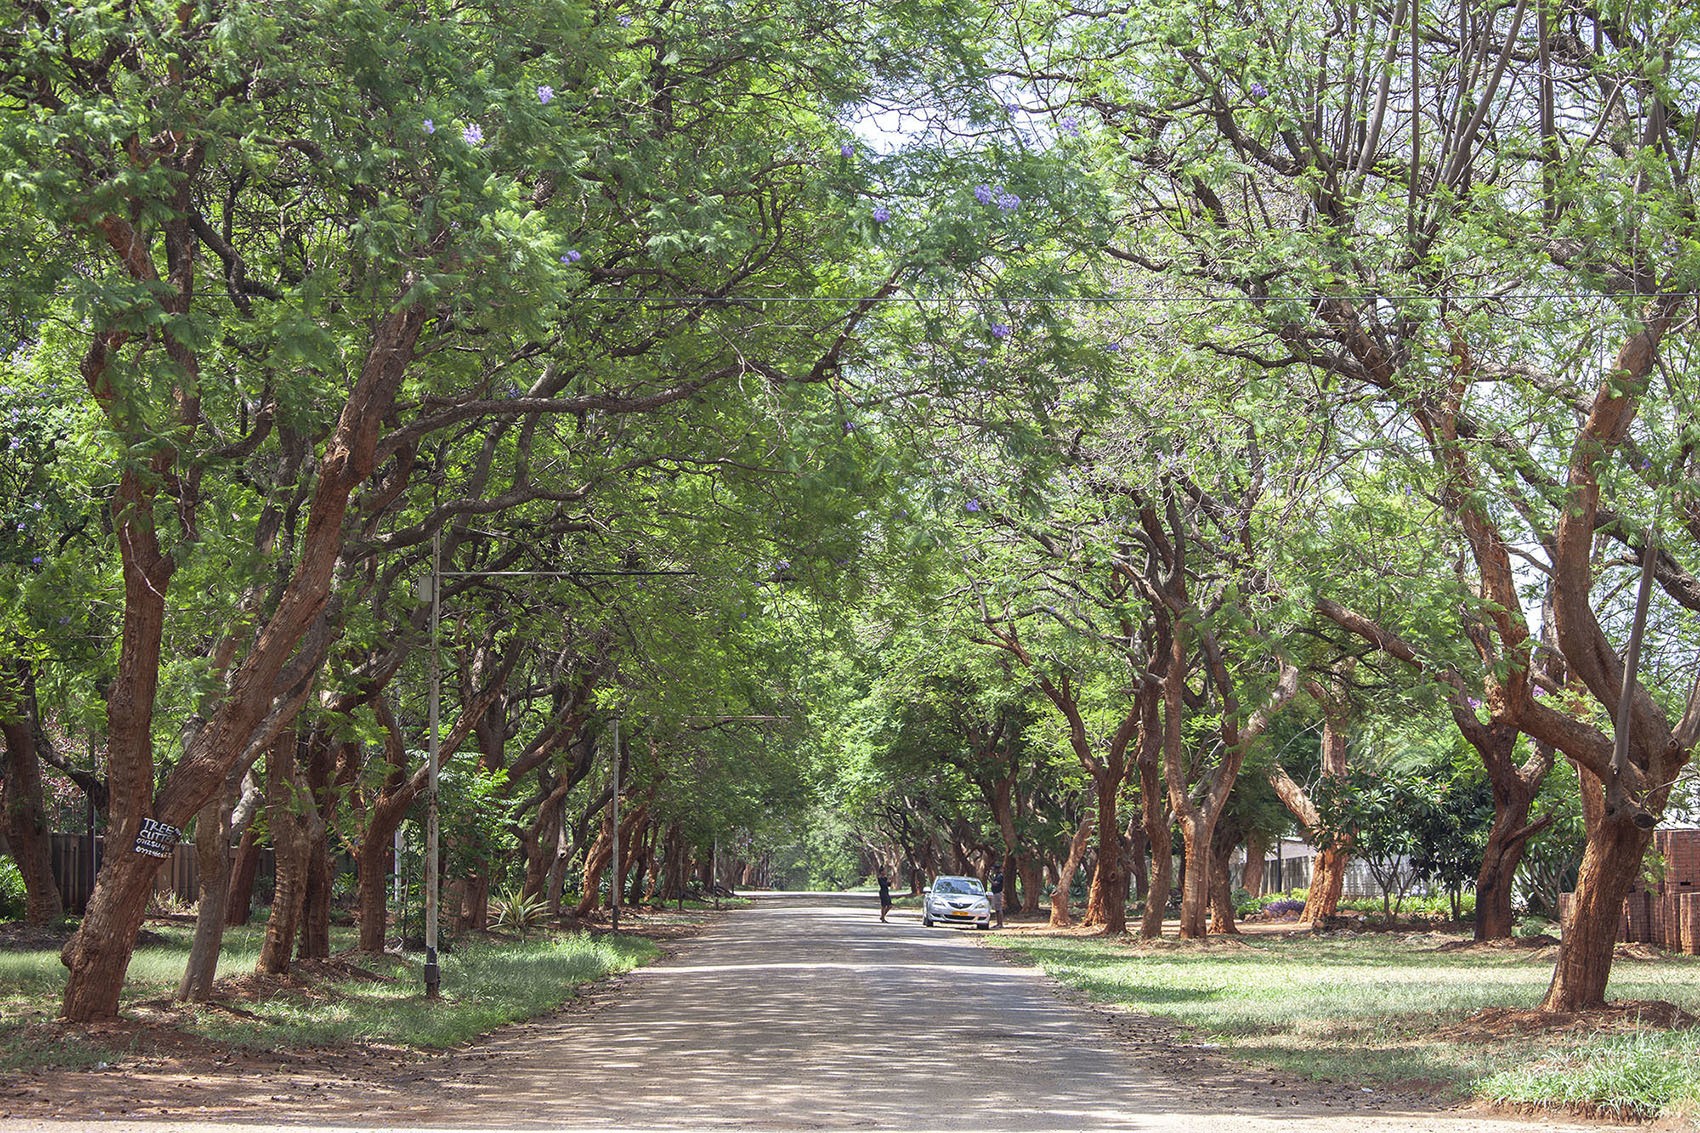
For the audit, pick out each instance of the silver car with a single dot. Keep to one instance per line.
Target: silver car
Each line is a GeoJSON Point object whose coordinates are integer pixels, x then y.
{"type": "Point", "coordinates": [956, 900]}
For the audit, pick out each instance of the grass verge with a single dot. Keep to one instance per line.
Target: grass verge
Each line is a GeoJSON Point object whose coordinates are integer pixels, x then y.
{"type": "Point", "coordinates": [355, 999]}
{"type": "Point", "coordinates": [1395, 1010]}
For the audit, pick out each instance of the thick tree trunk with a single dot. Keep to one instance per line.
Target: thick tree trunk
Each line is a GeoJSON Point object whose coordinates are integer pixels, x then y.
{"type": "Point", "coordinates": [1328, 876]}
{"type": "Point", "coordinates": [1251, 878]}
{"type": "Point", "coordinates": [97, 953]}
{"type": "Point", "coordinates": [541, 841]}
{"type": "Point", "coordinates": [315, 943]}
{"type": "Point", "coordinates": [556, 886]}
{"type": "Point", "coordinates": [475, 903]}
{"type": "Point", "coordinates": [1198, 832]}
{"type": "Point", "coordinates": [1162, 885]}
{"type": "Point", "coordinates": [372, 865]}
{"type": "Point", "coordinates": [1065, 876]}
{"type": "Point", "coordinates": [212, 862]}
{"type": "Point", "coordinates": [292, 847]}
{"type": "Point", "coordinates": [26, 811]}
{"type": "Point", "coordinates": [1106, 902]}
{"type": "Point", "coordinates": [1610, 864]}
{"type": "Point", "coordinates": [1507, 838]}
{"type": "Point", "coordinates": [1226, 837]}
{"type": "Point", "coordinates": [595, 863]}
{"type": "Point", "coordinates": [1327, 880]}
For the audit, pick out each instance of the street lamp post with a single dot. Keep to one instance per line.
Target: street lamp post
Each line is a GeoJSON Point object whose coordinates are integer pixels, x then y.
{"type": "Point", "coordinates": [433, 974]}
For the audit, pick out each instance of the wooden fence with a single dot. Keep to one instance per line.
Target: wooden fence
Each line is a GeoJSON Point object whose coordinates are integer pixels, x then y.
{"type": "Point", "coordinates": [74, 869]}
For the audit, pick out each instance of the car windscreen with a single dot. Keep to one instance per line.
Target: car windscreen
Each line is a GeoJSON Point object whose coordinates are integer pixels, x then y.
{"type": "Point", "coordinates": [955, 885]}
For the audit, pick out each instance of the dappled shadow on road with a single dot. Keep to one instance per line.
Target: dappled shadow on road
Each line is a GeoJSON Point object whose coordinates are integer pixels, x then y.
{"type": "Point", "coordinates": [812, 1013]}
{"type": "Point", "coordinates": [805, 1012]}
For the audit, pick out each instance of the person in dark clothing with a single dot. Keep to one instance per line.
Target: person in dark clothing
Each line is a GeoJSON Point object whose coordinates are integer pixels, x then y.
{"type": "Point", "coordinates": [885, 894]}
{"type": "Point", "coordinates": [996, 888]}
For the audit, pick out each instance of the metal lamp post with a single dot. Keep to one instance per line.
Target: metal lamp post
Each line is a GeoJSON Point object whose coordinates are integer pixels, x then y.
{"type": "Point", "coordinates": [433, 974]}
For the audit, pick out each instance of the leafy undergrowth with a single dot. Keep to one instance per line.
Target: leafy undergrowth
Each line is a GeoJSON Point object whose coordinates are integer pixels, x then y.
{"type": "Point", "coordinates": [353, 998]}
{"type": "Point", "coordinates": [1396, 1010]}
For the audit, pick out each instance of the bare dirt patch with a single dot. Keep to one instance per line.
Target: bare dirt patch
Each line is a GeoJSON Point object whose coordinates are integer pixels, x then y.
{"type": "Point", "coordinates": [1496, 1023]}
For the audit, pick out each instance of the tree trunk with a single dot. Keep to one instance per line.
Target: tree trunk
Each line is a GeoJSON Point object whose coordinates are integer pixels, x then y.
{"type": "Point", "coordinates": [557, 883]}
{"type": "Point", "coordinates": [1222, 845]}
{"type": "Point", "coordinates": [595, 862]}
{"type": "Point", "coordinates": [315, 941]}
{"type": "Point", "coordinates": [98, 954]}
{"type": "Point", "coordinates": [1610, 864]}
{"type": "Point", "coordinates": [244, 871]}
{"type": "Point", "coordinates": [1198, 832]}
{"type": "Point", "coordinates": [1328, 876]}
{"type": "Point", "coordinates": [1507, 838]}
{"type": "Point", "coordinates": [1106, 902]}
{"type": "Point", "coordinates": [1154, 820]}
{"type": "Point", "coordinates": [372, 865]}
{"type": "Point", "coordinates": [25, 809]}
{"type": "Point", "coordinates": [1251, 879]}
{"type": "Point", "coordinates": [1065, 877]}
{"type": "Point", "coordinates": [1327, 880]}
{"type": "Point", "coordinates": [1138, 854]}
{"type": "Point", "coordinates": [292, 847]}
{"type": "Point", "coordinates": [212, 862]}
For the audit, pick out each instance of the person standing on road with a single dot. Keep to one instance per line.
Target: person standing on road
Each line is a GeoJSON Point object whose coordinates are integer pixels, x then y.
{"type": "Point", "coordinates": [885, 894]}
{"type": "Point", "coordinates": [996, 888]}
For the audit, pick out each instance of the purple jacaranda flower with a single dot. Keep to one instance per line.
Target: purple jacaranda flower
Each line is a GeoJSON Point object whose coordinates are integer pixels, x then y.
{"type": "Point", "coordinates": [971, 505]}
{"type": "Point", "coordinates": [848, 149]}
{"type": "Point", "coordinates": [17, 443]}
{"type": "Point", "coordinates": [1113, 347]}
{"type": "Point", "coordinates": [1472, 702]}
{"type": "Point", "coordinates": [473, 135]}
{"type": "Point", "coordinates": [1008, 202]}
{"type": "Point", "coordinates": [625, 20]}
{"type": "Point", "coordinates": [1000, 330]}
{"type": "Point", "coordinates": [36, 561]}
{"type": "Point", "coordinates": [1257, 90]}
{"type": "Point", "coordinates": [1070, 126]}
{"type": "Point", "coordinates": [1011, 107]}
{"type": "Point", "coordinates": [983, 194]}
{"type": "Point", "coordinates": [881, 214]}
{"type": "Point", "coordinates": [1645, 464]}
{"type": "Point", "coordinates": [545, 93]}
{"type": "Point", "coordinates": [570, 256]}
{"type": "Point", "coordinates": [849, 427]}
{"type": "Point", "coordinates": [430, 126]}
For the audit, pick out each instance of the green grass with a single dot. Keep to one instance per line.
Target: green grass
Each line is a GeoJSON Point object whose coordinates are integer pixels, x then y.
{"type": "Point", "coordinates": [1635, 1076]}
{"type": "Point", "coordinates": [485, 983]}
{"type": "Point", "coordinates": [1368, 1009]}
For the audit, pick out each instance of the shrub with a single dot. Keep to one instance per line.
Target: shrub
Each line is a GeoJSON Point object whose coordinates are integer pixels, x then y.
{"type": "Point", "coordinates": [12, 896]}
{"type": "Point", "coordinates": [517, 912]}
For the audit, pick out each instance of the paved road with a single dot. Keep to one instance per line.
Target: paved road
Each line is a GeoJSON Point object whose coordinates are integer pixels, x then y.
{"type": "Point", "coordinates": [807, 1013]}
